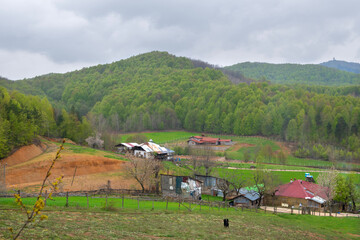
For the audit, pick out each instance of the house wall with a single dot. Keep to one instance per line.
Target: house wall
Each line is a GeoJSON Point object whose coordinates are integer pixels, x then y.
{"type": "Point", "coordinates": [208, 183]}
{"type": "Point", "coordinates": [139, 153]}
{"type": "Point", "coordinates": [242, 201]}
{"type": "Point", "coordinates": [170, 188]}
{"type": "Point", "coordinates": [279, 200]}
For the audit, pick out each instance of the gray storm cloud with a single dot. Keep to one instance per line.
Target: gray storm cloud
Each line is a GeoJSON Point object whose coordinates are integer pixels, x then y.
{"type": "Point", "coordinates": [41, 36]}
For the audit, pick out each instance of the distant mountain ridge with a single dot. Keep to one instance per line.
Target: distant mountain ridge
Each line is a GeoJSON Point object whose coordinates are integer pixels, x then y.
{"type": "Point", "coordinates": [309, 74]}
{"type": "Point", "coordinates": [343, 65]}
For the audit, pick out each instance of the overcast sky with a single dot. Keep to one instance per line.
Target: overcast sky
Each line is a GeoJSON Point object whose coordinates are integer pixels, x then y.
{"type": "Point", "coordinates": [43, 36]}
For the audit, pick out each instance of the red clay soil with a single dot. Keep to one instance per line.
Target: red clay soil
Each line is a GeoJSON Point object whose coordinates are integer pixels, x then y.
{"type": "Point", "coordinates": [26, 169]}
{"type": "Point", "coordinates": [284, 148]}
{"type": "Point", "coordinates": [86, 164]}
{"type": "Point", "coordinates": [242, 145]}
{"type": "Point", "coordinates": [24, 154]}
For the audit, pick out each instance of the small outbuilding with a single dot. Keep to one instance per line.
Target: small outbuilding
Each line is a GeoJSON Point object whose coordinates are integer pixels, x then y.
{"type": "Point", "coordinates": [210, 185]}
{"type": "Point", "coordinates": [180, 186]}
{"type": "Point", "coordinates": [126, 147]}
{"type": "Point", "coordinates": [146, 150]}
{"type": "Point", "coordinates": [245, 198]}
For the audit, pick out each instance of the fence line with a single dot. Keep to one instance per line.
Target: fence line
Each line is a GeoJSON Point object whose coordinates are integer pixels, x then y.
{"type": "Point", "coordinates": [114, 201]}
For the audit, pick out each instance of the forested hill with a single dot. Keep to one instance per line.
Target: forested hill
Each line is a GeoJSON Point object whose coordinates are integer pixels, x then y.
{"type": "Point", "coordinates": [342, 65]}
{"type": "Point", "coordinates": [309, 74]}
{"type": "Point", "coordinates": [81, 89]}
{"type": "Point", "coordinates": [156, 91]}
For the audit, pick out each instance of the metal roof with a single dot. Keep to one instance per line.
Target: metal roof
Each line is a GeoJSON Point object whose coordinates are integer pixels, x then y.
{"type": "Point", "coordinates": [249, 194]}
{"type": "Point", "coordinates": [146, 148]}
{"type": "Point", "coordinates": [318, 200]}
{"type": "Point", "coordinates": [128, 145]}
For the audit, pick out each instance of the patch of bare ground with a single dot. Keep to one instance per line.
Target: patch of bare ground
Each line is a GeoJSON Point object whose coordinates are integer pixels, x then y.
{"type": "Point", "coordinates": [354, 235]}
{"type": "Point", "coordinates": [24, 154]}
{"type": "Point", "coordinates": [286, 148]}
{"type": "Point", "coordinates": [27, 167]}
{"type": "Point", "coordinates": [86, 165]}
{"type": "Point", "coordinates": [242, 145]}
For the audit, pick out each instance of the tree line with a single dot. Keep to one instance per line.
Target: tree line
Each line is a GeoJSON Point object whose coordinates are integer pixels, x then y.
{"type": "Point", "coordinates": [24, 117]}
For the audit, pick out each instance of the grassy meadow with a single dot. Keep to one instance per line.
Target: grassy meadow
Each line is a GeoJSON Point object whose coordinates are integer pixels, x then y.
{"type": "Point", "coordinates": [161, 137]}
{"type": "Point", "coordinates": [97, 222]}
{"type": "Point", "coordinates": [148, 219]}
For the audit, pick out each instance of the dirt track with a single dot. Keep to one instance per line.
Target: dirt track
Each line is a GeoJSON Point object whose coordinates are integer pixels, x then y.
{"type": "Point", "coordinates": [297, 211]}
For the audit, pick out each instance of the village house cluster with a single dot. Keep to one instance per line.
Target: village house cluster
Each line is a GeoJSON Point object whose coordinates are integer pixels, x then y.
{"type": "Point", "coordinates": [297, 193]}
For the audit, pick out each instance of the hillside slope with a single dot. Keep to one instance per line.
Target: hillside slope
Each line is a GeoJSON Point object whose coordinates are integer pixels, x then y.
{"type": "Point", "coordinates": [26, 168]}
{"type": "Point", "coordinates": [309, 74]}
{"type": "Point", "coordinates": [343, 65]}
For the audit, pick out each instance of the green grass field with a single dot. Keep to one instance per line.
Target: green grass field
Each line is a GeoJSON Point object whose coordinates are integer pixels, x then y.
{"type": "Point", "coordinates": [79, 222]}
{"type": "Point", "coordinates": [161, 137]}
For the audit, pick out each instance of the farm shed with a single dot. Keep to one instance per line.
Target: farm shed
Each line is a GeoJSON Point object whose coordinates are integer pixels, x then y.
{"type": "Point", "coordinates": [126, 147]}
{"type": "Point", "coordinates": [180, 186]}
{"type": "Point", "coordinates": [146, 150]}
{"type": "Point", "coordinates": [202, 140]}
{"type": "Point", "coordinates": [209, 185]}
{"type": "Point", "coordinates": [293, 193]}
{"type": "Point", "coordinates": [245, 198]}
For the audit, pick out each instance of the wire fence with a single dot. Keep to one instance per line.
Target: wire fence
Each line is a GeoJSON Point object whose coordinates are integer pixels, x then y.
{"type": "Point", "coordinates": [117, 200]}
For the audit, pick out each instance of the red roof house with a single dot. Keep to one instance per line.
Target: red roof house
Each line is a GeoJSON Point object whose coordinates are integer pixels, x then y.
{"type": "Point", "coordinates": [299, 191]}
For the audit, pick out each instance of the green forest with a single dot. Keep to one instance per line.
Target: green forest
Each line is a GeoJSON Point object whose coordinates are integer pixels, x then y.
{"type": "Point", "coordinates": [342, 65]}
{"type": "Point", "coordinates": [309, 74]}
{"type": "Point", "coordinates": [157, 91]}
{"type": "Point", "coordinates": [23, 117]}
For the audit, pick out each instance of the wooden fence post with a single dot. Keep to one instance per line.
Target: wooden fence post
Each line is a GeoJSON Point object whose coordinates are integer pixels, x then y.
{"type": "Point", "coordinates": [67, 199]}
